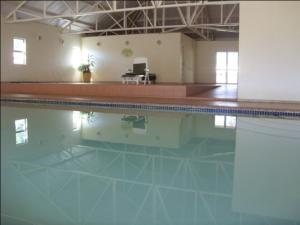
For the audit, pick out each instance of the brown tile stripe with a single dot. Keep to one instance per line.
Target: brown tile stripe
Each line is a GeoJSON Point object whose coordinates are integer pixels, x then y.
{"type": "Point", "coordinates": [188, 102]}
{"type": "Point", "coordinates": [106, 89]}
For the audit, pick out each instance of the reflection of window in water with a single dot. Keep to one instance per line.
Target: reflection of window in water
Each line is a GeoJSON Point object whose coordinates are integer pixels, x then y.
{"type": "Point", "coordinates": [79, 118]}
{"type": "Point", "coordinates": [136, 123]}
{"type": "Point", "coordinates": [21, 131]}
{"type": "Point", "coordinates": [222, 121]}
{"type": "Point", "coordinates": [76, 120]}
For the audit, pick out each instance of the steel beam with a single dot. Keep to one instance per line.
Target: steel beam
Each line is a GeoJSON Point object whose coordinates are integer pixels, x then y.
{"type": "Point", "coordinates": [183, 20]}
{"type": "Point", "coordinates": [230, 14]}
{"type": "Point", "coordinates": [145, 13]}
{"type": "Point", "coordinates": [15, 9]}
{"type": "Point", "coordinates": [78, 17]}
{"type": "Point", "coordinates": [118, 10]}
{"type": "Point", "coordinates": [199, 34]}
{"type": "Point", "coordinates": [119, 21]}
{"type": "Point", "coordinates": [69, 7]}
{"type": "Point", "coordinates": [99, 4]}
{"type": "Point", "coordinates": [196, 13]}
{"type": "Point", "coordinates": [202, 26]}
{"type": "Point", "coordinates": [189, 17]}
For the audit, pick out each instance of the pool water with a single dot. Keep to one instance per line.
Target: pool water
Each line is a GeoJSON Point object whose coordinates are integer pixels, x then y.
{"type": "Point", "coordinates": [86, 167]}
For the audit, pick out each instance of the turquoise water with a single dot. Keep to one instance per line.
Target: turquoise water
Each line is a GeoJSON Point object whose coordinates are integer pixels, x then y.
{"type": "Point", "coordinates": [62, 167]}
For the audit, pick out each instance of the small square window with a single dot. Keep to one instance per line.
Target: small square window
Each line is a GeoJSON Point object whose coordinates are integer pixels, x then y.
{"type": "Point", "coordinates": [19, 51]}
{"type": "Point", "coordinates": [19, 44]}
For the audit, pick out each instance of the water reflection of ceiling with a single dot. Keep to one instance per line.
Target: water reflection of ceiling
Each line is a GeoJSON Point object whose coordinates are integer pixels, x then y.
{"type": "Point", "coordinates": [206, 180]}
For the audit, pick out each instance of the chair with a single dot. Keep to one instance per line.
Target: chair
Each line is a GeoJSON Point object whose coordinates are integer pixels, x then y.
{"type": "Point", "coordinates": [140, 72]}
{"type": "Point", "coordinates": [137, 123]}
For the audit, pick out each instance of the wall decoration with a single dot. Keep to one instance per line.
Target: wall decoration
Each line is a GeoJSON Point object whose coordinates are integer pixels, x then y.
{"type": "Point", "coordinates": [158, 42]}
{"type": "Point", "coordinates": [127, 52]}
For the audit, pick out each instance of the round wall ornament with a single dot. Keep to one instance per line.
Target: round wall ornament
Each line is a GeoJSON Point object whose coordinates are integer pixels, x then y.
{"type": "Point", "coordinates": [127, 52]}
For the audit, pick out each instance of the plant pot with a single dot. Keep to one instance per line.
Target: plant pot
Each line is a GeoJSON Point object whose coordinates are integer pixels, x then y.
{"type": "Point", "coordinates": [86, 77]}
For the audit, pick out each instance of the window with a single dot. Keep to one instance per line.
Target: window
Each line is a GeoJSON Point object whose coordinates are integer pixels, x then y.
{"type": "Point", "coordinates": [227, 67]}
{"type": "Point", "coordinates": [76, 57]}
{"type": "Point", "coordinates": [21, 131]}
{"type": "Point", "coordinates": [19, 51]}
{"type": "Point", "coordinates": [225, 121]}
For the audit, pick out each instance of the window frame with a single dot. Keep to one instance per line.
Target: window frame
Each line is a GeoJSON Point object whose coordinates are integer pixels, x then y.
{"type": "Point", "coordinates": [18, 51]}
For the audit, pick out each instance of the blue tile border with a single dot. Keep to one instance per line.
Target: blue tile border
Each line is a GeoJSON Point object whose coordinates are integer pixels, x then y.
{"type": "Point", "coordinates": [164, 107]}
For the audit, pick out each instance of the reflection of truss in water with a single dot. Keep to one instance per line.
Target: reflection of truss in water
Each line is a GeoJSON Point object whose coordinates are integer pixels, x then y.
{"type": "Point", "coordinates": [106, 185]}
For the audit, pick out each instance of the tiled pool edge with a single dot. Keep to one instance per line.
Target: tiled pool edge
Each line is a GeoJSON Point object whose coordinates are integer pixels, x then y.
{"type": "Point", "coordinates": [163, 107]}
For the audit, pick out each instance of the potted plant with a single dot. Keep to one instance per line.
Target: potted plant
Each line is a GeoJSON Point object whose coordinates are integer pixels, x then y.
{"type": "Point", "coordinates": [85, 68]}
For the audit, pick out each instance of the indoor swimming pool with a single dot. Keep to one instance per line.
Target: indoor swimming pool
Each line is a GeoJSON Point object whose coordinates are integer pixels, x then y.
{"type": "Point", "coordinates": [89, 167]}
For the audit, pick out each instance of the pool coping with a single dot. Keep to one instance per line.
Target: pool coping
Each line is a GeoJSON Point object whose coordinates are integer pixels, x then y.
{"type": "Point", "coordinates": [237, 110]}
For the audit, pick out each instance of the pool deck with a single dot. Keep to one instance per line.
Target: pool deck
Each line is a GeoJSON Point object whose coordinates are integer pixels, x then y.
{"type": "Point", "coordinates": [177, 97]}
{"type": "Point", "coordinates": [117, 89]}
{"type": "Point", "coordinates": [186, 101]}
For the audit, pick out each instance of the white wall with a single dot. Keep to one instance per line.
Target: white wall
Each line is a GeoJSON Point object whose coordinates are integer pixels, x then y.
{"type": "Point", "coordinates": [206, 58]}
{"type": "Point", "coordinates": [47, 59]}
{"type": "Point", "coordinates": [269, 50]}
{"type": "Point", "coordinates": [188, 59]}
{"type": "Point", "coordinates": [177, 59]}
{"type": "Point", "coordinates": [164, 59]}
